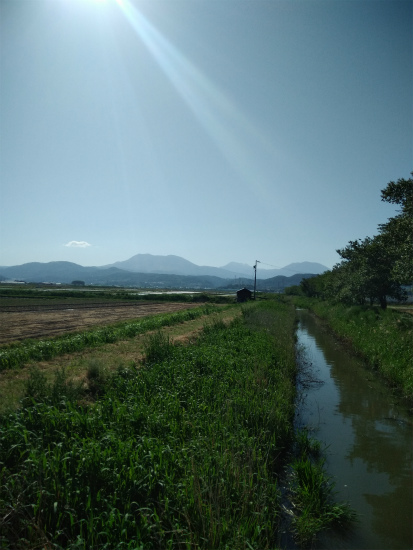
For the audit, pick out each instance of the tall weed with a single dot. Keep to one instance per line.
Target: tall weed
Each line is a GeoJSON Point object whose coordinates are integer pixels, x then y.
{"type": "Point", "coordinates": [313, 498]}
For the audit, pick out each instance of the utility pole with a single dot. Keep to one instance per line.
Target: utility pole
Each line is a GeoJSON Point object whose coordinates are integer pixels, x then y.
{"type": "Point", "coordinates": [255, 278]}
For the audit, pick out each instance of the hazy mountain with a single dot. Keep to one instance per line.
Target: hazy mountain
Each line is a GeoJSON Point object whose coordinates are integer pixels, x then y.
{"type": "Point", "coordinates": [281, 281]}
{"type": "Point", "coordinates": [243, 270]}
{"type": "Point", "coordinates": [277, 283]}
{"type": "Point", "coordinates": [146, 270]}
{"type": "Point", "coordinates": [303, 267]}
{"type": "Point", "coordinates": [41, 272]}
{"type": "Point", "coordinates": [289, 270]}
{"type": "Point", "coordinates": [173, 265]}
{"type": "Point", "coordinates": [66, 272]}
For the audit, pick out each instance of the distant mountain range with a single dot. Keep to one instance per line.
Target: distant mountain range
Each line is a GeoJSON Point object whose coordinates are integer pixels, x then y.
{"type": "Point", "coordinates": [170, 265]}
{"type": "Point", "coordinates": [287, 271]}
{"type": "Point", "coordinates": [146, 270]}
{"type": "Point", "coordinates": [175, 265]}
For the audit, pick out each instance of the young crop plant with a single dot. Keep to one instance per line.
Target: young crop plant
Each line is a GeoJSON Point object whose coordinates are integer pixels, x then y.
{"type": "Point", "coordinates": [157, 347]}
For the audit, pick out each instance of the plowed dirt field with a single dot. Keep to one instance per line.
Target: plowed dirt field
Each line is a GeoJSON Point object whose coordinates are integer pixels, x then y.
{"type": "Point", "coordinates": [21, 322]}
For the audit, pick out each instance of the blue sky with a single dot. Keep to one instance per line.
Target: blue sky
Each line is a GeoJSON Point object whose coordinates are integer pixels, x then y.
{"type": "Point", "coordinates": [220, 131]}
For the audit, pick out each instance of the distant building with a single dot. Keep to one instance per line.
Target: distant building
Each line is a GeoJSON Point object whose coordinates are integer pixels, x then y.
{"type": "Point", "coordinates": [243, 295]}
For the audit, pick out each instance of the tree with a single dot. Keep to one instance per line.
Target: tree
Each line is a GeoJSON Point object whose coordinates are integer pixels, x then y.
{"type": "Point", "coordinates": [369, 265]}
{"type": "Point", "coordinates": [397, 233]}
{"type": "Point", "coordinates": [374, 268]}
{"type": "Point", "coordinates": [294, 290]}
{"type": "Point", "coordinates": [378, 267]}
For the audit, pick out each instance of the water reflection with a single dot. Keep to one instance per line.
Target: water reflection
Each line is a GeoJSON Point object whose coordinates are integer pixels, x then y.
{"type": "Point", "coordinates": [369, 440]}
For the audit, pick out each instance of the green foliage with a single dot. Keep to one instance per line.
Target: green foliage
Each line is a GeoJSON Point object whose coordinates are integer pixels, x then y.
{"type": "Point", "coordinates": [369, 271]}
{"type": "Point", "coordinates": [62, 390]}
{"type": "Point", "coordinates": [383, 337]}
{"type": "Point", "coordinates": [96, 376]}
{"type": "Point", "coordinates": [397, 233]}
{"type": "Point", "coordinates": [294, 290]}
{"type": "Point", "coordinates": [36, 385]}
{"type": "Point", "coordinates": [313, 497]}
{"type": "Point", "coordinates": [374, 268]}
{"type": "Point", "coordinates": [306, 445]}
{"type": "Point", "coordinates": [183, 453]}
{"type": "Point", "coordinates": [157, 347]}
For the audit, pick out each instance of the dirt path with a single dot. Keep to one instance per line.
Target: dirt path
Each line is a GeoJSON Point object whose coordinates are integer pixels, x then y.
{"type": "Point", "coordinates": [45, 323]}
{"type": "Point", "coordinates": [403, 309]}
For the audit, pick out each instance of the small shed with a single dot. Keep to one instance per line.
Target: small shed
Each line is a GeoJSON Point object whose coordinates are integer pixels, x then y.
{"type": "Point", "coordinates": [243, 295]}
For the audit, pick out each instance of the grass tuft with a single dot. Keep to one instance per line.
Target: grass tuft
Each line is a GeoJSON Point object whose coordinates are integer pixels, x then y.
{"type": "Point", "coordinates": [312, 495]}
{"type": "Point", "coordinates": [96, 376]}
{"type": "Point", "coordinates": [157, 347]}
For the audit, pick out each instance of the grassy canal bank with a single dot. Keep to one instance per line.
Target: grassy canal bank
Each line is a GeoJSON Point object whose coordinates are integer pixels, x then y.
{"type": "Point", "coordinates": [383, 337]}
{"type": "Point", "coordinates": [190, 449]}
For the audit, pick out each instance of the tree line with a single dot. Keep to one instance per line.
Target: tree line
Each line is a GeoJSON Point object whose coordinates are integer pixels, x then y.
{"type": "Point", "coordinates": [375, 268]}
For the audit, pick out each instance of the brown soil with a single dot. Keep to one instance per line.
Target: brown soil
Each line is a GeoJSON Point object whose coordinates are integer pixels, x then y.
{"type": "Point", "coordinates": [45, 323]}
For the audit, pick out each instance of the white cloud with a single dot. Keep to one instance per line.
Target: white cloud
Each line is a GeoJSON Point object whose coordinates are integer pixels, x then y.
{"type": "Point", "coordinates": [78, 244]}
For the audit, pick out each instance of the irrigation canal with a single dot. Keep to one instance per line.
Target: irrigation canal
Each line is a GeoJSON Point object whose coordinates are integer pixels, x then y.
{"type": "Point", "coordinates": [368, 440]}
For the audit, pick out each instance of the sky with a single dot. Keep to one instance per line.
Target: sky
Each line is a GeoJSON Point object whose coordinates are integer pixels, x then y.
{"type": "Point", "coordinates": [215, 130]}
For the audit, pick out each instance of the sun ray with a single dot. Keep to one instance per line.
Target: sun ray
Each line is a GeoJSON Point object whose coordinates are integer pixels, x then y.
{"type": "Point", "coordinates": [217, 114]}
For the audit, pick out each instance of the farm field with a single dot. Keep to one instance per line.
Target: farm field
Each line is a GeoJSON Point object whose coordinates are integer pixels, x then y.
{"type": "Point", "coordinates": [126, 351]}
{"type": "Point", "coordinates": [163, 432]}
{"type": "Point", "coordinates": [19, 322]}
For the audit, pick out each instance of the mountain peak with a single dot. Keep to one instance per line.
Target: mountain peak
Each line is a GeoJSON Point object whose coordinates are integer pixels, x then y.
{"type": "Point", "coordinates": [62, 271]}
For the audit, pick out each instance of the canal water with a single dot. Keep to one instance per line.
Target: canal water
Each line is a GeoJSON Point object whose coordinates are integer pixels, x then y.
{"type": "Point", "coordinates": [367, 436]}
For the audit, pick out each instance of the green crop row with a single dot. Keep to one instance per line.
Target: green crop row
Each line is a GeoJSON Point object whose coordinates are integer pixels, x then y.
{"type": "Point", "coordinates": [40, 350]}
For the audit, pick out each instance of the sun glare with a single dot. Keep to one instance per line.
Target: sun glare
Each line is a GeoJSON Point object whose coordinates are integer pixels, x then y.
{"type": "Point", "coordinates": [212, 108]}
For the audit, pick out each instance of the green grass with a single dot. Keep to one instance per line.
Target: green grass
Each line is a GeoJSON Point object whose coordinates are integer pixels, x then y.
{"type": "Point", "coordinates": [184, 453]}
{"type": "Point", "coordinates": [313, 497]}
{"type": "Point", "coordinates": [383, 337]}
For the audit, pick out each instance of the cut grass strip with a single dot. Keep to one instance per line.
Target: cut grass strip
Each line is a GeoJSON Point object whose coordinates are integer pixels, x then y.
{"type": "Point", "coordinates": [109, 356]}
{"type": "Point", "coordinates": [17, 355]}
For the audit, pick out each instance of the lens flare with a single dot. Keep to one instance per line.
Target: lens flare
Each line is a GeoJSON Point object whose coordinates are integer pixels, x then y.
{"type": "Point", "coordinates": [217, 114]}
